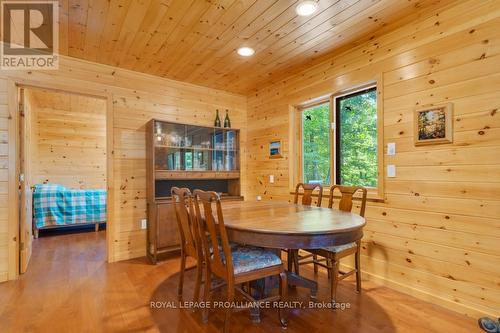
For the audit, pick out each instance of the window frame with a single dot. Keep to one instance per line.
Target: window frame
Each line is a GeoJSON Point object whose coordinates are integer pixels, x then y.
{"type": "Point", "coordinates": [301, 131]}
{"type": "Point", "coordinates": [374, 193]}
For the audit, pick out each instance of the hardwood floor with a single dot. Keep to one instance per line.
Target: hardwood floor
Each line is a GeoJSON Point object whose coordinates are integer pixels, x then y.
{"type": "Point", "coordinates": [70, 288]}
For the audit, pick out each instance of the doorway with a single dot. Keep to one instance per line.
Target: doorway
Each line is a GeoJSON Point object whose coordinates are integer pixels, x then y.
{"type": "Point", "coordinates": [62, 169]}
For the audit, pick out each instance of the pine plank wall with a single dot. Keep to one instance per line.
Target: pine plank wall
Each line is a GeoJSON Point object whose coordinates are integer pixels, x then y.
{"type": "Point", "coordinates": [437, 234]}
{"type": "Point", "coordinates": [135, 99]}
{"type": "Point", "coordinates": [68, 145]}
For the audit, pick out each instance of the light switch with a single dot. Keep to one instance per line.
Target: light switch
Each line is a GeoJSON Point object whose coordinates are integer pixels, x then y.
{"type": "Point", "coordinates": [391, 148]}
{"type": "Point", "coordinates": [144, 224]}
{"type": "Point", "coordinates": [391, 170]}
{"type": "Point", "coordinates": [271, 179]}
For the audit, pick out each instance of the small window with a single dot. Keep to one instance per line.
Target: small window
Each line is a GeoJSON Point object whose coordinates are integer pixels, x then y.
{"type": "Point", "coordinates": [356, 138]}
{"type": "Point", "coordinates": [339, 140]}
{"type": "Point", "coordinates": [316, 161]}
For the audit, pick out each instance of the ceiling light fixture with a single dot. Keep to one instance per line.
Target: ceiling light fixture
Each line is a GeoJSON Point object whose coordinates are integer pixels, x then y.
{"type": "Point", "coordinates": [246, 51]}
{"type": "Point", "coordinates": [306, 8]}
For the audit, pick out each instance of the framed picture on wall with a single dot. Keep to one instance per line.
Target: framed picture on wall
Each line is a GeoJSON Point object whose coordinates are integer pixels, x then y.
{"type": "Point", "coordinates": [433, 125]}
{"type": "Point", "coordinates": [275, 149]}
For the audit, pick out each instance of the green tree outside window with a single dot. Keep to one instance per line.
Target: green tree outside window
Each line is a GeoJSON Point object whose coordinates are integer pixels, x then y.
{"type": "Point", "coordinates": [356, 144]}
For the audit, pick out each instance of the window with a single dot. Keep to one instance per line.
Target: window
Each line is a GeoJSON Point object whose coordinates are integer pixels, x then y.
{"type": "Point", "coordinates": [349, 153]}
{"type": "Point", "coordinates": [356, 138]}
{"type": "Point", "coordinates": [316, 144]}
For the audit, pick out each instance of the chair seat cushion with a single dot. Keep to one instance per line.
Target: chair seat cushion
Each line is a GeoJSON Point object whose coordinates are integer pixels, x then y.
{"type": "Point", "coordinates": [340, 248]}
{"type": "Point", "coordinates": [250, 258]}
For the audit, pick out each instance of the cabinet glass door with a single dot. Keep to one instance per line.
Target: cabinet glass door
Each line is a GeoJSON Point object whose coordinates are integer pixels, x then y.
{"type": "Point", "coordinates": [199, 137]}
{"type": "Point", "coordinates": [230, 160]}
{"type": "Point", "coordinates": [231, 140]}
{"type": "Point", "coordinates": [169, 158]}
{"type": "Point", "coordinates": [170, 135]}
{"type": "Point", "coordinates": [218, 150]}
{"type": "Point", "coordinates": [201, 159]}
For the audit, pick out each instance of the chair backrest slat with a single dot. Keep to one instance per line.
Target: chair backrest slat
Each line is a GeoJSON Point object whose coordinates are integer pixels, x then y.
{"type": "Point", "coordinates": [218, 251]}
{"type": "Point", "coordinates": [307, 191]}
{"type": "Point", "coordinates": [186, 221]}
{"type": "Point", "coordinates": [346, 198]}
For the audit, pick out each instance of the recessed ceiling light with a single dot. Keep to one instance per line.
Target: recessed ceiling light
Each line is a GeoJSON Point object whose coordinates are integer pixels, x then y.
{"type": "Point", "coordinates": [306, 8]}
{"type": "Point", "coordinates": [246, 51]}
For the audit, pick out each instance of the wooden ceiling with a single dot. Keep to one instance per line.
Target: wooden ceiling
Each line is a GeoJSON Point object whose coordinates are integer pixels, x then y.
{"type": "Point", "coordinates": [195, 40]}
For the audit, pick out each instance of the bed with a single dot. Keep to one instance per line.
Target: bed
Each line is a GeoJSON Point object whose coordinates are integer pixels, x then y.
{"type": "Point", "coordinates": [57, 206]}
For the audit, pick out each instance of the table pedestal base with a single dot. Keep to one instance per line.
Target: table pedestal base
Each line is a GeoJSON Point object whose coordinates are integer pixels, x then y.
{"type": "Point", "coordinates": [296, 280]}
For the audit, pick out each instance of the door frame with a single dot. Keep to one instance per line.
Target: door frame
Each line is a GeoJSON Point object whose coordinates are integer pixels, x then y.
{"type": "Point", "coordinates": [13, 86]}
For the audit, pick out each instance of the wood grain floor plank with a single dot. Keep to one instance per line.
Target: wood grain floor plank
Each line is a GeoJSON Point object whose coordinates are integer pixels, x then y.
{"type": "Point", "coordinates": [70, 288]}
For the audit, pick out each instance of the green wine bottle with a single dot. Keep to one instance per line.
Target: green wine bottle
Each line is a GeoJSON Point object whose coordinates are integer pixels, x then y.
{"type": "Point", "coordinates": [227, 122]}
{"type": "Point", "coordinates": [217, 119]}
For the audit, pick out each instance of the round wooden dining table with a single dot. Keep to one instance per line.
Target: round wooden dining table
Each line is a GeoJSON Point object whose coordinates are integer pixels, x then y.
{"type": "Point", "coordinates": [282, 225]}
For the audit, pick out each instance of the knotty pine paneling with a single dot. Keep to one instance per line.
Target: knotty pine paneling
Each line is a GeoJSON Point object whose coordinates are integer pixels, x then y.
{"type": "Point", "coordinates": [135, 99]}
{"type": "Point", "coordinates": [195, 41]}
{"type": "Point", "coordinates": [436, 234]}
{"type": "Point", "coordinates": [68, 139]}
{"type": "Point", "coordinates": [4, 164]}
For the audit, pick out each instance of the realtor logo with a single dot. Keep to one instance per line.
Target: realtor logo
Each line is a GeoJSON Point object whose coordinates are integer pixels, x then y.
{"type": "Point", "coordinates": [30, 35]}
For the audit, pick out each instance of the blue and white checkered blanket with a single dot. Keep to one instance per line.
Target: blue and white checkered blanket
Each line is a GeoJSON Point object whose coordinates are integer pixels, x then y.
{"type": "Point", "coordinates": [57, 205]}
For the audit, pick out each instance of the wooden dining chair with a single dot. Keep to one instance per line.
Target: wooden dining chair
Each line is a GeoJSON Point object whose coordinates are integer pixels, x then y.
{"type": "Point", "coordinates": [191, 245]}
{"type": "Point", "coordinates": [330, 256]}
{"type": "Point", "coordinates": [235, 265]}
{"type": "Point", "coordinates": [307, 194]}
{"type": "Point", "coordinates": [305, 191]}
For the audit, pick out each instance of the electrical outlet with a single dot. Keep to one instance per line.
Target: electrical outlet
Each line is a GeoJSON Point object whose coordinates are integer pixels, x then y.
{"type": "Point", "coordinates": [271, 179]}
{"type": "Point", "coordinates": [259, 198]}
{"type": "Point", "coordinates": [391, 148]}
{"type": "Point", "coordinates": [391, 171]}
{"type": "Point", "coordinates": [144, 224]}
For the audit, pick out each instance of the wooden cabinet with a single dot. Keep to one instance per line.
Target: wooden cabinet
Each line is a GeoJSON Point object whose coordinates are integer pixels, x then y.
{"type": "Point", "coordinates": [163, 235]}
{"type": "Point", "coordinates": [181, 155]}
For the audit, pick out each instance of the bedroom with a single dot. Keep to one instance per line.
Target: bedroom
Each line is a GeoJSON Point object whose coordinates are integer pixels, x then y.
{"type": "Point", "coordinates": [62, 171]}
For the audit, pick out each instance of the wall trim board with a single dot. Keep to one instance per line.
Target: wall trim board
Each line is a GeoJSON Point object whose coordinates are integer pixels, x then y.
{"type": "Point", "coordinates": [13, 200]}
{"type": "Point", "coordinates": [110, 197]}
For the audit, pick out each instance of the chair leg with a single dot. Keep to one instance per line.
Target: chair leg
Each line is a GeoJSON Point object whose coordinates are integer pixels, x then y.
{"type": "Point", "coordinates": [315, 259]}
{"type": "Point", "coordinates": [283, 315]}
{"type": "Point", "coordinates": [181, 276]}
{"type": "Point", "coordinates": [229, 311]}
{"type": "Point", "coordinates": [96, 227]}
{"type": "Point", "coordinates": [199, 273]}
{"type": "Point", "coordinates": [358, 267]}
{"type": "Point", "coordinates": [206, 294]}
{"type": "Point", "coordinates": [248, 288]}
{"type": "Point", "coordinates": [289, 259]}
{"type": "Point", "coordinates": [334, 280]}
{"type": "Point", "coordinates": [296, 261]}
{"type": "Point", "coordinates": [329, 264]}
